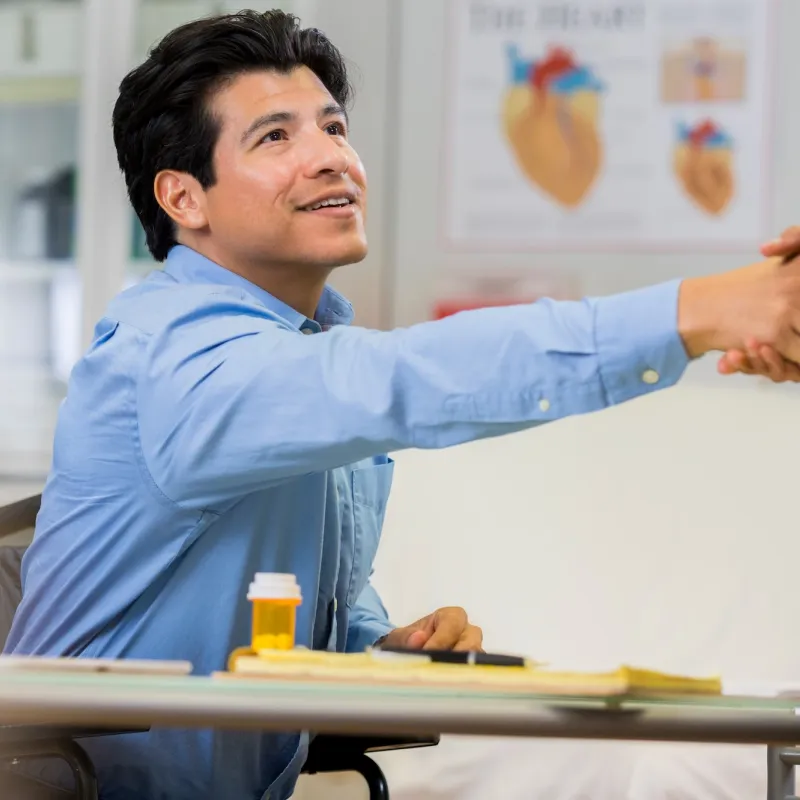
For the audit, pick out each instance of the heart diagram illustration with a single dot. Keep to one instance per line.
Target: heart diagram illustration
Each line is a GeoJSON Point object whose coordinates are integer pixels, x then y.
{"type": "Point", "coordinates": [703, 70]}
{"type": "Point", "coordinates": [551, 120]}
{"type": "Point", "coordinates": [703, 164]}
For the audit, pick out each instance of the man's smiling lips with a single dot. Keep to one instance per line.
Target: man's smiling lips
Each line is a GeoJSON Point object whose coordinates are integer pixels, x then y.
{"type": "Point", "coordinates": [336, 204]}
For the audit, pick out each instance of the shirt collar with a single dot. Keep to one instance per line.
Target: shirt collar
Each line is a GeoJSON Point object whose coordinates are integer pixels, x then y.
{"type": "Point", "coordinates": [188, 266]}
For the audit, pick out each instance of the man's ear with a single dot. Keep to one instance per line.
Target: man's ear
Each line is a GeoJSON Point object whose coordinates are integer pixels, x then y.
{"type": "Point", "coordinates": [182, 198]}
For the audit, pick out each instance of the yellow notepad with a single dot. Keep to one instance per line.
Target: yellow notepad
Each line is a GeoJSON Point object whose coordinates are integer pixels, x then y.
{"type": "Point", "coordinates": [376, 668]}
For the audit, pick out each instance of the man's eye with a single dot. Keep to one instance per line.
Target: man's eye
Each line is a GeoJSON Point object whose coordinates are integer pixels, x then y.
{"type": "Point", "coordinates": [275, 136]}
{"type": "Point", "coordinates": [336, 129]}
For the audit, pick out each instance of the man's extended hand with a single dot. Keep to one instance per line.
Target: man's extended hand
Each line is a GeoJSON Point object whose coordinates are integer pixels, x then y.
{"type": "Point", "coordinates": [756, 358]}
{"type": "Point", "coordinates": [445, 629]}
{"type": "Point", "coordinates": [745, 312]}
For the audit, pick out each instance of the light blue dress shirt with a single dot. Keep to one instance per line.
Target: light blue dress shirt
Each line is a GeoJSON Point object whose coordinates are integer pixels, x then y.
{"type": "Point", "coordinates": [205, 438]}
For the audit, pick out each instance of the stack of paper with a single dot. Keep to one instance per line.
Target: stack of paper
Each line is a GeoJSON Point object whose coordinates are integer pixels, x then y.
{"type": "Point", "coordinates": [376, 668]}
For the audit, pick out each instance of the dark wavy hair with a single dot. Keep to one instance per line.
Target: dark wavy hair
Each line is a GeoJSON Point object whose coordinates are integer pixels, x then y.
{"type": "Point", "coordinates": [162, 119]}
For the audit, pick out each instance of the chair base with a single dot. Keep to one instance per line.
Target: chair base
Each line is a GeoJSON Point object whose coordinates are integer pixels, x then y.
{"type": "Point", "coordinates": [14, 786]}
{"type": "Point", "coordinates": [361, 764]}
{"type": "Point", "coordinates": [351, 754]}
{"type": "Point", "coordinates": [64, 749]}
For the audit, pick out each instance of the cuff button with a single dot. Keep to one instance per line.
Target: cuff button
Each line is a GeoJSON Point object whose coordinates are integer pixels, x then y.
{"type": "Point", "coordinates": [650, 376]}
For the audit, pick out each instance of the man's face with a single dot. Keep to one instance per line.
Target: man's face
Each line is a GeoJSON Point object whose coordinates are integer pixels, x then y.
{"type": "Point", "coordinates": [282, 151]}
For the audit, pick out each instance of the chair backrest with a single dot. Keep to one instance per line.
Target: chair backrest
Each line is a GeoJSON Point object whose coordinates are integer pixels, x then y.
{"type": "Point", "coordinates": [10, 588]}
{"type": "Point", "coordinates": [15, 519]}
{"type": "Point", "coordinates": [19, 517]}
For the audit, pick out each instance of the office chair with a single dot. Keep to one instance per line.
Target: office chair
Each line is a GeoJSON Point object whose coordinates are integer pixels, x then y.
{"type": "Point", "coordinates": [327, 754]}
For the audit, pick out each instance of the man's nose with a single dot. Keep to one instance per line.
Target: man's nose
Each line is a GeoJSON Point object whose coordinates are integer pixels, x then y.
{"type": "Point", "coordinates": [326, 155]}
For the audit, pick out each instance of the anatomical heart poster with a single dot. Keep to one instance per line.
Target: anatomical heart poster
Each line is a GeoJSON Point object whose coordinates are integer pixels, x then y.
{"type": "Point", "coordinates": [586, 124]}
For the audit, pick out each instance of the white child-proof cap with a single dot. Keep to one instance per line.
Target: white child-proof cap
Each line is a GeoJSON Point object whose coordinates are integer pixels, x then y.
{"type": "Point", "coordinates": [274, 586]}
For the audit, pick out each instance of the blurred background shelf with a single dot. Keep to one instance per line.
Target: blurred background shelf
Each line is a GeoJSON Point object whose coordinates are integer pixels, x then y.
{"type": "Point", "coordinates": [68, 238]}
{"type": "Point", "coordinates": [39, 90]}
{"type": "Point", "coordinates": [41, 38]}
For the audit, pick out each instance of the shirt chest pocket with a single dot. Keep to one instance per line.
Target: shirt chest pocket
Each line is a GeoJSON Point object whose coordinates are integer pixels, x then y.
{"type": "Point", "coordinates": [371, 487]}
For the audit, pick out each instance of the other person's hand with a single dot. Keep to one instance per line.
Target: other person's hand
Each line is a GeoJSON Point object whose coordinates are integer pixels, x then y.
{"type": "Point", "coordinates": [758, 359]}
{"type": "Point", "coordinates": [746, 310]}
{"type": "Point", "coordinates": [445, 629]}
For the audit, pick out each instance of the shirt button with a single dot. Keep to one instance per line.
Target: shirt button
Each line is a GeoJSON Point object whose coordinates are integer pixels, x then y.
{"type": "Point", "coordinates": [307, 331]}
{"type": "Point", "coordinates": [650, 376]}
{"type": "Point", "coordinates": [544, 405]}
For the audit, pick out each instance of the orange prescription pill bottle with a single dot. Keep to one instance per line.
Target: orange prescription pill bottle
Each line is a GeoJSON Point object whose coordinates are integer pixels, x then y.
{"type": "Point", "coordinates": [275, 599]}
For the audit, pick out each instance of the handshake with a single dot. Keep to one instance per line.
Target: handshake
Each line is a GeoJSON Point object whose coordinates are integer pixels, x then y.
{"type": "Point", "coordinates": [751, 314]}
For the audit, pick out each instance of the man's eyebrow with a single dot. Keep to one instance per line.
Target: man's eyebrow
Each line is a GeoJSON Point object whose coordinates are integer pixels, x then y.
{"type": "Point", "coordinates": [266, 121]}
{"type": "Point", "coordinates": [277, 117]}
{"type": "Point", "coordinates": [333, 110]}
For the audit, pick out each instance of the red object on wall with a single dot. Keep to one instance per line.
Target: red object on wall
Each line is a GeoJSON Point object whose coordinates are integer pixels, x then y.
{"type": "Point", "coordinates": [701, 133]}
{"type": "Point", "coordinates": [559, 61]}
{"type": "Point", "coordinates": [446, 308]}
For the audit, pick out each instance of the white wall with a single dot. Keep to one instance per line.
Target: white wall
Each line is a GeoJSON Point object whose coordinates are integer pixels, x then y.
{"type": "Point", "coordinates": [632, 516]}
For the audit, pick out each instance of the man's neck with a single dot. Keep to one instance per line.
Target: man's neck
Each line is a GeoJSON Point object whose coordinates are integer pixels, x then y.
{"type": "Point", "coordinates": [299, 287]}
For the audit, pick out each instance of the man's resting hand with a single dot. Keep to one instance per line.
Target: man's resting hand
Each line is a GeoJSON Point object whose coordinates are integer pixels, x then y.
{"type": "Point", "coordinates": [445, 629]}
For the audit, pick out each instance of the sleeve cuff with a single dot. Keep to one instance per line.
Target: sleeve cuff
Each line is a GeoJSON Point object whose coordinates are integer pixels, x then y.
{"type": "Point", "coordinates": [365, 634]}
{"type": "Point", "coordinates": [638, 344]}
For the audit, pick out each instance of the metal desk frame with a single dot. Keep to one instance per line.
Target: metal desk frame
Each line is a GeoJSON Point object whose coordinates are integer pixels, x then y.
{"type": "Point", "coordinates": [242, 704]}
{"type": "Point", "coordinates": [781, 765]}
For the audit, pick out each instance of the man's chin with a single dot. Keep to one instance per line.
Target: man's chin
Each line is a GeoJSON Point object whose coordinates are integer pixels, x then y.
{"type": "Point", "coordinates": [342, 257]}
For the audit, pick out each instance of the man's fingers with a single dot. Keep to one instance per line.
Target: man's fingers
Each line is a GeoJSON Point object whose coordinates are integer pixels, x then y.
{"type": "Point", "coordinates": [787, 244]}
{"type": "Point", "coordinates": [792, 372]}
{"type": "Point", "coordinates": [450, 624]}
{"type": "Point", "coordinates": [412, 636]}
{"type": "Point", "coordinates": [768, 362]}
{"type": "Point", "coordinates": [772, 367]}
{"type": "Point", "coordinates": [759, 359]}
{"type": "Point", "coordinates": [734, 361]}
{"type": "Point", "coordinates": [780, 369]}
{"type": "Point", "coordinates": [471, 639]}
{"type": "Point", "coordinates": [445, 629]}
{"type": "Point", "coordinates": [417, 640]}
{"type": "Point", "coordinates": [788, 345]}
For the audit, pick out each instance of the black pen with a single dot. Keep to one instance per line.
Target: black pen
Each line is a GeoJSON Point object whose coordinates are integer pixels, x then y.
{"type": "Point", "coordinates": [468, 657]}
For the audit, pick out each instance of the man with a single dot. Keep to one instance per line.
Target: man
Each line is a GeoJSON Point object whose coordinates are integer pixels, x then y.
{"type": "Point", "coordinates": [227, 420]}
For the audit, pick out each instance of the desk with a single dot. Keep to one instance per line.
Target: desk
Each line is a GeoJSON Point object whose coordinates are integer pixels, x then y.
{"type": "Point", "coordinates": [237, 703]}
